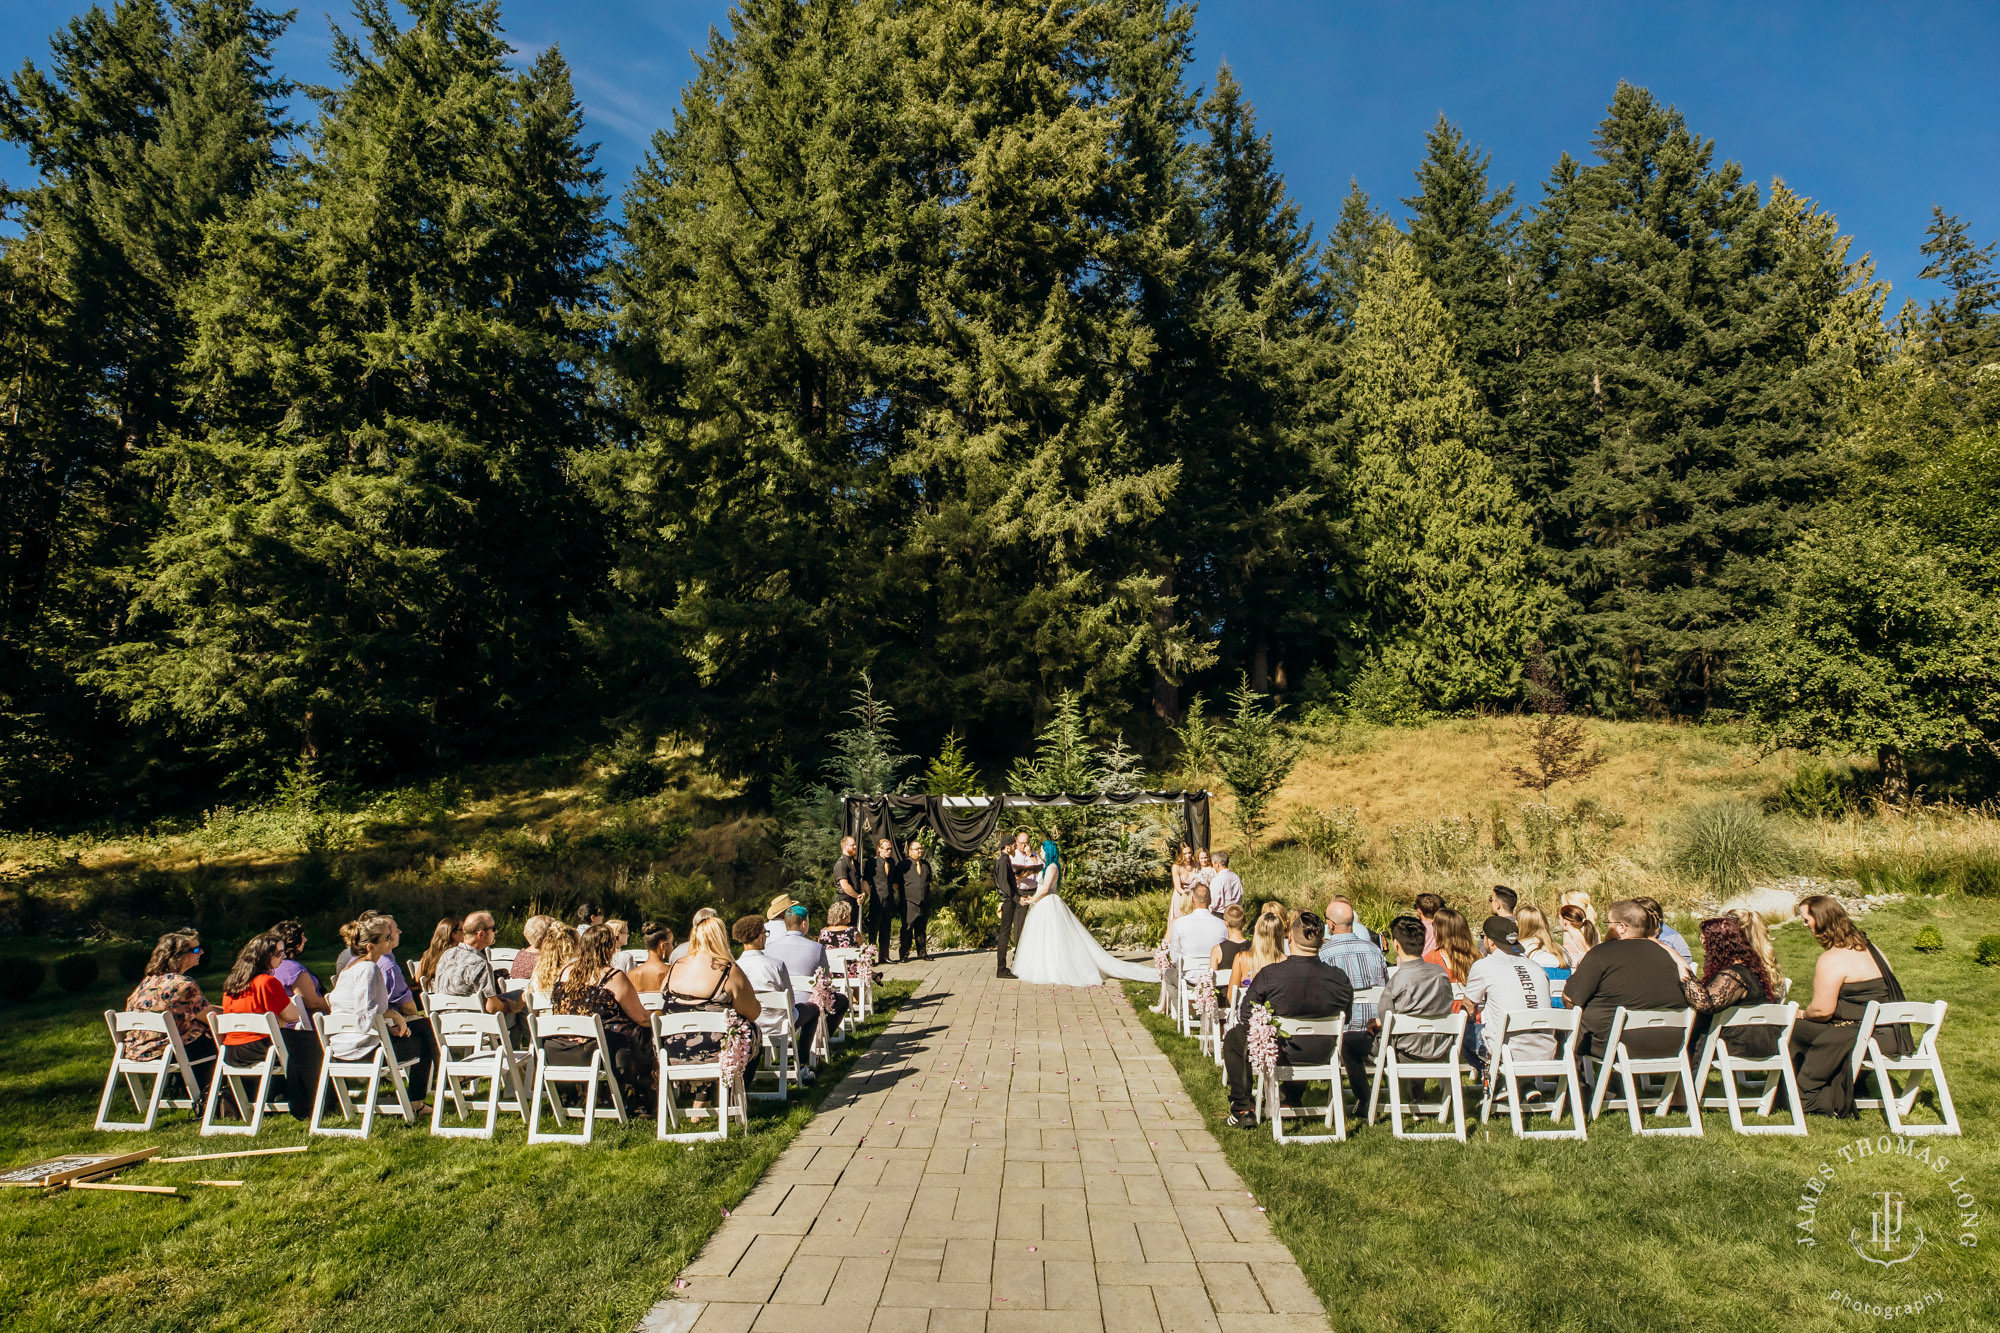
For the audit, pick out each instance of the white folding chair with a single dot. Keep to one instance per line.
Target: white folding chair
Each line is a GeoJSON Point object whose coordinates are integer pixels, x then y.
{"type": "Point", "coordinates": [1335, 1110]}
{"type": "Point", "coordinates": [688, 1024]}
{"type": "Point", "coordinates": [1507, 1072]}
{"type": "Point", "coordinates": [837, 963]}
{"type": "Point", "coordinates": [1674, 1071]}
{"type": "Point", "coordinates": [1393, 1067]}
{"type": "Point", "coordinates": [1766, 1076]}
{"type": "Point", "coordinates": [337, 1073]}
{"type": "Point", "coordinates": [598, 1068]}
{"type": "Point", "coordinates": [502, 959]}
{"type": "Point", "coordinates": [780, 1040]}
{"type": "Point", "coordinates": [1869, 1058]}
{"type": "Point", "coordinates": [652, 1001]}
{"type": "Point", "coordinates": [236, 1076]}
{"type": "Point", "coordinates": [172, 1059]}
{"type": "Point", "coordinates": [1184, 1015]}
{"type": "Point", "coordinates": [474, 1045]}
{"type": "Point", "coordinates": [814, 1053]}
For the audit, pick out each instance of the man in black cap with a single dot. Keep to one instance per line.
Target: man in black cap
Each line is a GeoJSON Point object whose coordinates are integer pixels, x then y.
{"type": "Point", "coordinates": [1505, 981]}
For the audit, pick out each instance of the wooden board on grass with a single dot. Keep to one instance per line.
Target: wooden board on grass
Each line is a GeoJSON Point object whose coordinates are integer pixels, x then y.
{"type": "Point", "coordinates": [62, 1170]}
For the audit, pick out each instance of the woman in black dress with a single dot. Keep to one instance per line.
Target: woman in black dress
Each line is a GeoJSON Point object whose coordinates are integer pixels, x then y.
{"type": "Point", "coordinates": [1850, 973]}
{"type": "Point", "coordinates": [591, 985]}
{"type": "Point", "coordinates": [1732, 973]}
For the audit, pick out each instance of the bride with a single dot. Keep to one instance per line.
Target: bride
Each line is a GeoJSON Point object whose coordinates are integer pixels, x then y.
{"type": "Point", "coordinates": [1056, 949]}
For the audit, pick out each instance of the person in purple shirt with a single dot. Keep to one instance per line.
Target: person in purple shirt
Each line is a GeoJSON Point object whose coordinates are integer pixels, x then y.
{"type": "Point", "coordinates": [1226, 887]}
{"type": "Point", "coordinates": [294, 976]}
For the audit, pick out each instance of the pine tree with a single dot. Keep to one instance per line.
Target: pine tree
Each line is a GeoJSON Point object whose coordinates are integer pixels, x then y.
{"type": "Point", "coordinates": [1464, 234]}
{"type": "Point", "coordinates": [1962, 329]}
{"type": "Point", "coordinates": [1349, 248]}
{"type": "Point", "coordinates": [373, 552]}
{"type": "Point", "coordinates": [1691, 454]}
{"type": "Point", "coordinates": [1446, 554]}
{"type": "Point", "coordinates": [1255, 757]}
{"type": "Point", "coordinates": [150, 123]}
{"type": "Point", "coordinates": [950, 771]}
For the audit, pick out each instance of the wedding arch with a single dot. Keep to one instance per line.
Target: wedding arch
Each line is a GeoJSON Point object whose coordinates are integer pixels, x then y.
{"type": "Point", "coordinates": [972, 823]}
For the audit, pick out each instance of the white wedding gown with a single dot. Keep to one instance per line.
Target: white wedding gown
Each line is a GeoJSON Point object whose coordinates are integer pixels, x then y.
{"type": "Point", "coordinates": [1058, 950]}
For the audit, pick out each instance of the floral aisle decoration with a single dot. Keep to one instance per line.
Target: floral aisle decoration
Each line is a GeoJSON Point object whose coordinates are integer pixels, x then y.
{"type": "Point", "coordinates": [822, 991]}
{"type": "Point", "coordinates": [866, 966]}
{"type": "Point", "coordinates": [739, 1047]}
{"type": "Point", "coordinates": [1263, 1040]}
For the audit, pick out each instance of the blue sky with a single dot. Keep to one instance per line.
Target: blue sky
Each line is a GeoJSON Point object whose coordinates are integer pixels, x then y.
{"type": "Point", "coordinates": [1875, 109]}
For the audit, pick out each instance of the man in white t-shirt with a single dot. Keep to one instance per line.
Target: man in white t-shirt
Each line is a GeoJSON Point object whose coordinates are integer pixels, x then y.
{"type": "Point", "coordinates": [1194, 936]}
{"type": "Point", "coordinates": [1505, 982]}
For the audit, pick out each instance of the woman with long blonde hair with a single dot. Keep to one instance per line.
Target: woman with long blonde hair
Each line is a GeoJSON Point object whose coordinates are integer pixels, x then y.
{"type": "Point", "coordinates": [1537, 943]}
{"type": "Point", "coordinates": [1266, 947]}
{"type": "Point", "coordinates": [1759, 936]}
{"type": "Point", "coordinates": [559, 949]}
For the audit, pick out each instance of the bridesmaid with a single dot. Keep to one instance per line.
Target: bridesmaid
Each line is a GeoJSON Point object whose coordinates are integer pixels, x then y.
{"type": "Point", "coordinates": [1177, 905]}
{"type": "Point", "coordinates": [1851, 972]}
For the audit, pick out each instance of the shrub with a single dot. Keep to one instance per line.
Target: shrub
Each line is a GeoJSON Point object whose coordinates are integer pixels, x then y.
{"type": "Point", "coordinates": [1385, 697]}
{"type": "Point", "coordinates": [132, 964]}
{"type": "Point", "coordinates": [1814, 792]}
{"type": "Point", "coordinates": [1255, 757]}
{"type": "Point", "coordinates": [21, 977]}
{"type": "Point", "coordinates": [1446, 844]}
{"type": "Point", "coordinates": [1724, 845]}
{"type": "Point", "coordinates": [1928, 940]}
{"type": "Point", "coordinates": [1333, 836]}
{"type": "Point", "coordinates": [76, 971]}
{"type": "Point", "coordinates": [1986, 953]}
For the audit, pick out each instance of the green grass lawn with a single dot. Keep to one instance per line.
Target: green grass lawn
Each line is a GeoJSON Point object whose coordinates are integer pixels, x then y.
{"type": "Point", "coordinates": [1625, 1233]}
{"type": "Point", "coordinates": [403, 1231]}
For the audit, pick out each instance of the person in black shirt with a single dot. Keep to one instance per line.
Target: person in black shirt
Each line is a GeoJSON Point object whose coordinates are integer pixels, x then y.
{"type": "Point", "coordinates": [916, 919]}
{"type": "Point", "coordinates": [1300, 986]}
{"type": "Point", "coordinates": [885, 878]}
{"type": "Point", "coordinates": [847, 882]}
{"type": "Point", "coordinates": [1003, 880]}
{"type": "Point", "coordinates": [1628, 970]}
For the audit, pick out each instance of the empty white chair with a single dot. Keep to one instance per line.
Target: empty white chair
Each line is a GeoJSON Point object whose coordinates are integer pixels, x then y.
{"type": "Point", "coordinates": [502, 959]}
{"type": "Point", "coordinates": [475, 1046]}
{"type": "Point", "coordinates": [1674, 1070]}
{"type": "Point", "coordinates": [1869, 1058]}
{"type": "Point", "coordinates": [1335, 1110]}
{"type": "Point", "coordinates": [337, 1073]}
{"type": "Point", "coordinates": [781, 1040]}
{"type": "Point", "coordinates": [172, 1059]}
{"type": "Point", "coordinates": [1509, 1072]}
{"type": "Point", "coordinates": [1394, 1068]}
{"type": "Point", "coordinates": [1769, 1075]}
{"type": "Point", "coordinates": [1216, 1022]}
{"type": "Point", "coordinates": [236, 1076]}
{"type": "Point", "coordinates": [586, 1075]}
{"type": "Point", "coordinates": [730, 1099]}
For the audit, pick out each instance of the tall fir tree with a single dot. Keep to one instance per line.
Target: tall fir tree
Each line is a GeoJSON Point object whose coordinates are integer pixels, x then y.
{"type": "Point", "coordinates": [1665, 375]}
{"type": "Point", "coordinates": [1465, 234]}
{"type": "Point", "coordinates": [1961, 329]}
{"type": "Point", "coordinates": [1446, 553]}
{"type": "Point", "coordinates": [151, 122]}
{"type": "Point", "coordinates": [373, 552]}
{"type": "Point", "coordinates": [1349, 247]}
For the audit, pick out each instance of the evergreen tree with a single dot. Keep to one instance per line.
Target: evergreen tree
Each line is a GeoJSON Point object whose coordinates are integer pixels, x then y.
{"type": "Point", "coordinates": [1963, 328]}
{"type": "Point", "coordinates": [1446, 555]}
{"type": "Point", "coordinates": [372, 551]}
{"type": "Point", "coordinates": [1692, 454]}
{"type": "Point", "coordinates": [1464, 235]}
{"type": "Point", "coordinates": [1255, 757]}
{"type": "Point", "coordinates": [950, 772]}
{"type": "Point", "coordinates": [1349, 248]}
{"type": "Point", "coordinates": [1253, 519]}
{"type": "Point", "coordinates": [151, 122]}
{"type": "Point", "coordinates": [875, 368]}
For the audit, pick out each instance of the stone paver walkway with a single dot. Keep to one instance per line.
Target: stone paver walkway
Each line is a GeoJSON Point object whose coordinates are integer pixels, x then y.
{"type": "Point", "coordinates": [1006, 1157]}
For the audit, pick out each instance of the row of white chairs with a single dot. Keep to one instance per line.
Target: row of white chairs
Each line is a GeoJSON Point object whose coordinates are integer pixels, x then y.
{"type": "Point", "coordinates": [1751, 1086]}
{"type": "Point", "coordinates": [474, 1048]}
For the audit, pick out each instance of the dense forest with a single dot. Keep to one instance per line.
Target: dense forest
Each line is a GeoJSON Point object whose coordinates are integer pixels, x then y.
{"type": "Point", "coordinates": [974, 346]}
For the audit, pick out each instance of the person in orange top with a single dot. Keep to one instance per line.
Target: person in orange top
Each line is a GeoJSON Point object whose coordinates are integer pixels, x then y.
{"type": "Point", "coordinates": [252, 989]}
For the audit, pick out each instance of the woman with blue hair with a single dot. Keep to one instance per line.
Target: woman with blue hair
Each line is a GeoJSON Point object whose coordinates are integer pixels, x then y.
{"type": "Point", "coordinates": [1056, 949]}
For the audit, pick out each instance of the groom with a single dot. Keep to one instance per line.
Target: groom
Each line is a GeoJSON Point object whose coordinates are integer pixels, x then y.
{"type": "Point", "coordinates": [1014, 872]}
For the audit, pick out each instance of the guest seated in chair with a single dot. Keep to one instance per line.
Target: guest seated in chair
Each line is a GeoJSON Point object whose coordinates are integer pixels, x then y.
{"type": "Point", "coordinates": [1851, 972]}
{"type": "Point", "coordinates": [1361, 961]}
{"type": "Point", "coordinates": [361, 995]}
{"type": "Point", "coordinates": [650, 976]}
{"type": "Point", "coordinates": [1300, 986]}
{"type": "Point", "coordinates": [708, 980]}
{"type": "Point", "coordinates": [463, 970]}
{"type": "Point", "coordinates": [252, 987]}
{"type": "Point", "coordinates": [168, 989]}
{"type": "Point", "coordinates": [686, 946]}
{"type": "Point", "coordinates": [1415, 987]}
{"type": "Point", "coordinates": [839, 932]}
{"type": "Point", "coordinates": [1731, 974]}
{"type": "Point", "coordinates": [523, 965]}
{"type": "Point", "coordinates": [1631, 970]}
{"type": "Point", "coordinates": [590, 985]}
{"type": "Point", "coordinates": [803, 957]}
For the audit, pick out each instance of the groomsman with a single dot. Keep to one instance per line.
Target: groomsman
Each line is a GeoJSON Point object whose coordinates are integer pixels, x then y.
{"type": "Point", "coordinates": [916, 916]}
{"type": "Point", "coordinates": [886, 881]}
{"type": "Point", "coordinates": [847, 884]}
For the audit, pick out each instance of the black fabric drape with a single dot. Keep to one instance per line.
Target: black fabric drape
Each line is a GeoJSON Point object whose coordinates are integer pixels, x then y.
{"type": "Point", "coordinates": [975, 828]}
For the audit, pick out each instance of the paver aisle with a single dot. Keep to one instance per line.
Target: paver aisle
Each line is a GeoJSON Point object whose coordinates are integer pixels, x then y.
{"type": "Point", "coordinates": [1005, 1157]}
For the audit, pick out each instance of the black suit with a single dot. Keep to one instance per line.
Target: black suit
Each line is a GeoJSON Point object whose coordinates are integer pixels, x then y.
{"type": "Point", "coordinates": [1003, 880]}
{"type": "Point", "coordinates": [885, 879]}
{"type": "Point", "coordinates": [1297, 987]}
{"type": "Point", "coordinates": [916, 887]}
